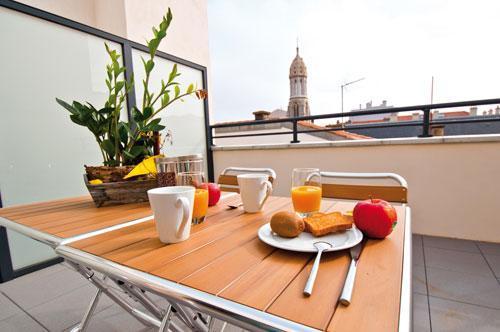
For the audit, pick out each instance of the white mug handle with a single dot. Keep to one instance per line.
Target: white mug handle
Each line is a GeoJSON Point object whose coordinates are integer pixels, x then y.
{"type": "Point", "coordinates": [184, 202]}
{"type": "Point", "coordinates": [269, 190]}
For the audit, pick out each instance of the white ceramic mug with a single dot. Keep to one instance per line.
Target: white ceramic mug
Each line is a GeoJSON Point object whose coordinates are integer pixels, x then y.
{"type": "Point", "coordinates": [254, 191]}
{"type": "Point", "coordinates": [173, 211]}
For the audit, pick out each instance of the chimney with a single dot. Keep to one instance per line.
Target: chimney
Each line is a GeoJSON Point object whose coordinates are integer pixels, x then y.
{"type": "Point", "coordinates": [473, 111]}
{"type": "Point", "coordinates": [261, 115]}
{"type": "Point", "coordinates": [437, 130]}
{"type": "Point", "coordinates": [369, 104]}
{"type": "Point", "coordinates": [490, 112]}
{"type": "Point", "coordinates": [393, 117]}
{"type": "Point", "coordinates": [497, 110]}
{"type": "Point", "coordinates": [435, 114]}
{"type": "Point", "coordinates": [415, 116]}
{"type": "Point", "coordinates": [384, 103]}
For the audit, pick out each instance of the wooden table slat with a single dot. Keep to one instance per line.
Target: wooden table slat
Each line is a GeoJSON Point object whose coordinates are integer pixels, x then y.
{"type": "Point", "coordinates": [376, 298]}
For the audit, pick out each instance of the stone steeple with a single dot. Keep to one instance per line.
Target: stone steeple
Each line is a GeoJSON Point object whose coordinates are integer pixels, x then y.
{"type": "Point", "coordinates": [298, 104]}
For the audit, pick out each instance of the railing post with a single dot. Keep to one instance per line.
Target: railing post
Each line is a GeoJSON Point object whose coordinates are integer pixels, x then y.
{"type": "Point", "coordinates": [426, 123]}
{"type": "Point", "coordinates": [294, 132]}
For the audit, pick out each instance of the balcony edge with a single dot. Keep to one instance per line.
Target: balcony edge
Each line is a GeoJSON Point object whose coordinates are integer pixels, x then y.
{"type": "Point", "coordinates": [366, 142]}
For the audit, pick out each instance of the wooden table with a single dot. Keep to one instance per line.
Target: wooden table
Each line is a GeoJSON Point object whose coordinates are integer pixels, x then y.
{"type": "Point", "coordinates": [55, 221]}
{"type": "Point", "coordinates": [224, 257]}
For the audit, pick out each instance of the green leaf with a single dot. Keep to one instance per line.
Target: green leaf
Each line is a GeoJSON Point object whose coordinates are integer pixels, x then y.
{"type": "Point", "coordinates": [190, 88]}
{"type": "Point", "coordinates": [119, 85]}
{"type": "Point", "coordinates": [165, 99]}
{"type": "Point", "coordinates": [148, 111]}
{"type": "Point", "coordinates": [108, 146]}
{"type": "Point", "coordinates": [67, 106]}
{"type": "Point", "coordinates": [173, 74]}
{"type": "Point", "coordinates": [177, 91]}
{"type": "Point", "coordinates": [123, 132]}
{"type": "Point", "coordinates": [106, 110]}
{"type": "Point", "coordinates": [137, 115]}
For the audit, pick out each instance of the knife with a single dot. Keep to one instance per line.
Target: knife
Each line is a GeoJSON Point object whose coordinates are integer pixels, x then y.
{"type": "Point", "coordinates": [345, 297]}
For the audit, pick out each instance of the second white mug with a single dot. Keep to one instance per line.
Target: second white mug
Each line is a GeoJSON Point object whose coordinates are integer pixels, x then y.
{"type": "Point", "coordinates": [254, 191]}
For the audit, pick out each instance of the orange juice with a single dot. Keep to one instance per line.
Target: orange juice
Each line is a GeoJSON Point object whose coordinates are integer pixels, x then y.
{"type": "Point", "coordinates": [306, 199]}
{"type": "Point", "coordinates": [200, 203]}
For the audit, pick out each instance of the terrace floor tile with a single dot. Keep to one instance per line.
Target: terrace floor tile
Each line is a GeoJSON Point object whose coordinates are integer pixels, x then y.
{"type": "Point", "coordinates": [419, 280]}
{"type": "Point", "coordinates": [67, 310]}
{"type": "Point", "coordinates": [489, 248]}
{"type": "Point", "coordinates": [7, 307]}
{"type": "Point", "coordinates": [458, 261]}
{"type": "Point", "coordinates": [494, 262]}
{"type": "Point", "coordinates": [21, 322]}
{"type": "Point", "coordinates": [455, 316]}
{"type": "Point", "coordinates": [43, 286]}
{"type": "Point", "coordinates": [421, 321]}
{"type": "Point", "coordinates": [452, 244]}
{"type": "Point", "coordinates": [464, 287]}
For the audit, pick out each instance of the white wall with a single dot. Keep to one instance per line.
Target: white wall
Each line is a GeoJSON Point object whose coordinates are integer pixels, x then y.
{"type": "Point", "coordinates": [453, 187]}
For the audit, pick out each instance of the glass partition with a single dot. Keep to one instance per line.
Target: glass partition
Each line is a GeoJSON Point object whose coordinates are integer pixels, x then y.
{"type": "Point", "coordinates": [42, 152]}
{"type": "Point", "coordinates": [185, 121]}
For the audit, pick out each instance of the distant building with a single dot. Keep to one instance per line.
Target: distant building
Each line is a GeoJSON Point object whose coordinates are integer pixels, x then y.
{"type": "Point", "coordinates": [298, 105]}
{"type": "Point", "coordinates": [449, 129]}
{"type": "Point", "coordinates": [371, 117]}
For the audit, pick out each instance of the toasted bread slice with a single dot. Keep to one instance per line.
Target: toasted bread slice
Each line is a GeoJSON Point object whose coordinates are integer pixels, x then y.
{"type": "Point", "coordinates": [319, 225]}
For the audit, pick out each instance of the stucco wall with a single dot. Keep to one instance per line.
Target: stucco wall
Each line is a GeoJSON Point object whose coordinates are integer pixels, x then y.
{"type": "Point", "coordinates": [453, 187]}
{"type": "Point", "coordinates": [133, 19]}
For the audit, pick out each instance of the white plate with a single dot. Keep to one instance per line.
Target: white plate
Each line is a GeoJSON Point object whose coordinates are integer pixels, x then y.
{"type": "Point", "coordinates": [305, 241]}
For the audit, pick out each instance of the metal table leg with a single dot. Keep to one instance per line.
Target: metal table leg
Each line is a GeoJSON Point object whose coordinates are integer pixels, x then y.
{"type": "Point", "coordinates": [101, 285]}
{"type": "Point", "coordinates": [81, 327]}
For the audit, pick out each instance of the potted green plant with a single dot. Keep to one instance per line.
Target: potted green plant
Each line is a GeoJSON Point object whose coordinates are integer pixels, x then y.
{"type": "Point", "coordinates": [123, 144]}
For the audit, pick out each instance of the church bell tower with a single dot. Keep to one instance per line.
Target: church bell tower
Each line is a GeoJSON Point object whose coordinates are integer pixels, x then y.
{"type": "Point", "coordinates": [298, 104]}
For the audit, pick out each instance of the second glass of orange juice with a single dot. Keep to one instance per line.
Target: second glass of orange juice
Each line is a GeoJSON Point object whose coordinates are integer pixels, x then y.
{"type": "Point", "coordinates": [200, 205]}
{"type": "Point", "coordinates": [306, 191]}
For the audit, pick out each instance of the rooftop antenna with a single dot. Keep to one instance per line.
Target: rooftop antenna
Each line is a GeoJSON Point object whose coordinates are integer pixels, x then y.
{"type": "Point", "coordinates": [432, 89]}
{"type": "Point", "coordinates": [342, 95]}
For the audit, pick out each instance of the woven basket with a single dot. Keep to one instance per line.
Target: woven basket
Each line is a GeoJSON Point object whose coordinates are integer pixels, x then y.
{"type": "Point", "coordinates": [123, 192]}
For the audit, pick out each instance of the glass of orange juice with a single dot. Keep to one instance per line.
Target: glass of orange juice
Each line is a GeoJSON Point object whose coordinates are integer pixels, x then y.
{"type": "Point", "coordinates": [306, 191]}
{"type": "Point", "coordinates": [200, 205]}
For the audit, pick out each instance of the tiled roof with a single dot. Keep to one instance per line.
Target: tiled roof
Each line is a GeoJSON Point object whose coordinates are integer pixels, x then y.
{"type": "Point", "coordinates": [341, 133]}
{"type": "Point", "coordinates": [310, 125]}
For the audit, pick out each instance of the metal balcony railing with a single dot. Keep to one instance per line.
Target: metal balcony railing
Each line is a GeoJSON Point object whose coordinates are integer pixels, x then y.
{"type": "Point", "coordinates": [425, 122]}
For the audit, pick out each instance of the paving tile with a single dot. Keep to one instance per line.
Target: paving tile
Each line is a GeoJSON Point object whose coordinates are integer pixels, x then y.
{"type": "Point", "coordinates": [20, 322]}
{"type": "Point", "coordinates": [464, 287]}
{"type": "Point", "coordinates": [67, 310]}
{"type": "Point", "coordinates": [494, 262]}
{"type": "Point", "coordinates": [417, 256]}
{"type": "Point", "coordinates": [454, 316]}
{"type": "Point", "coordinates": [489, 248]}
{"type": "Point", "coordinates": [421, 321]}
{"type": "Point", "coordinates": [26, 279]}
{"type": "Point", "coordinates": [7, 308]}
{"type": "Point", "coordinates": [419, 284]}
{"type": "Point", "coordinates": [452, 244]}
{"type": "Point", "coordinates": [115, 319]}
{"type": "Point", "coordinates": [416, 240]}
{"type": "Point", "coordinates": [459, 261]}
{"type": "Point", "coordinates": [39, 287]}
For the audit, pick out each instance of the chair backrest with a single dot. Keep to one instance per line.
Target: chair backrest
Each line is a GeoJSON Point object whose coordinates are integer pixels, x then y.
{"type": "Point", "coordinates": [228, 182]}
{"type": "Point", "coordinates": [395, 194]}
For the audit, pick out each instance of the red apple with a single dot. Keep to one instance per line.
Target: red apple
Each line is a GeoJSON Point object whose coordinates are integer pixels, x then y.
{"type": "Point", "coordinates": [213, 192]}
{"type": "Point", "coordinates": [375, 218]}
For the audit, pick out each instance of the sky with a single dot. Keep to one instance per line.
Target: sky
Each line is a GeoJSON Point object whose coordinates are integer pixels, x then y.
{"type": "Point", "coordinates": [396, 45]}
